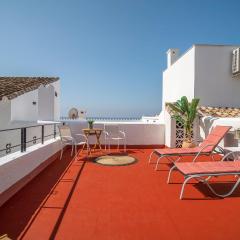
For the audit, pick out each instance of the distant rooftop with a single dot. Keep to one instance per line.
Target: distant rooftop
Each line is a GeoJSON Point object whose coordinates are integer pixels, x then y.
{"type": "Point", "coordinates": [12, 87]}
{"type": "Point", "coordinates": [219, 112]}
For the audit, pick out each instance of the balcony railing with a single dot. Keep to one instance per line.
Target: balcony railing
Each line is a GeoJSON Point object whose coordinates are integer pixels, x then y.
{"type": "Point", "coordinates": [106, 118]}
{"type": "Point", "coordinates": [23, 133]}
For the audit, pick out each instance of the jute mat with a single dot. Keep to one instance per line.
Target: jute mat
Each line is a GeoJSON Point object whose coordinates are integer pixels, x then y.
{"type": "Point", "coordinates": [115, 160]}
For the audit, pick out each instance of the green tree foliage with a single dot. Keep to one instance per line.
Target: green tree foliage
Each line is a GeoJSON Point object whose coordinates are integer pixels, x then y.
{"type": "Point", "coordinates": [185, 112]}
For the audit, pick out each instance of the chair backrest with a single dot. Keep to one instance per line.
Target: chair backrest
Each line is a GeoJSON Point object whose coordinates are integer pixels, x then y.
{"type": "Point", "coordinates": [64, 131]}
{"type": "Point", "coordinates": [112, 129]}
{"type": "Point", "coordinates": [214, 137]}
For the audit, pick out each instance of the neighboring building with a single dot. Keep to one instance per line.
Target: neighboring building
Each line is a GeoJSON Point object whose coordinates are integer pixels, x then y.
{"type": "Point", "coordinates": [207, 72]}
{"type": "Point", "coordinates": [29, 99]}
{"type": "Point", "coordinates": [24, 102]}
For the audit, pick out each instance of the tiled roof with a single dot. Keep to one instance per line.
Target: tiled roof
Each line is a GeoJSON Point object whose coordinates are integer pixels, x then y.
{"type": "Point", "coordinates": [221, 112]}
{"type": "Point", "coordinates": [12, 87]}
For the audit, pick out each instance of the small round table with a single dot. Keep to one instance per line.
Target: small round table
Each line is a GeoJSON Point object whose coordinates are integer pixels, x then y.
{"type": "Point", "coordinates": [94, 131]}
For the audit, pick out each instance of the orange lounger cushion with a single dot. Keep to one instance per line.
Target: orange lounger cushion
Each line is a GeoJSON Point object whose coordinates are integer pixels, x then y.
{"type": "Point", "coordinates": [169, 151]}
{"type": "Point", "coordinates": [208, 167]}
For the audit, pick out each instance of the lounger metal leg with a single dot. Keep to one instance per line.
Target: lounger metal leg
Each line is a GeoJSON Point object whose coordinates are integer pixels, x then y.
{"type": "Point", "coordinates": [183, 186]}
{"type": "Point", "coordinates": [226, 194]}
{"type": "Point", "coordinates": [170, 172]}
{"type": "Point", "coordinates": [158, 160]}
{"type": "Point", "coordinates": [210, 187]}
{"type": "Point", "coordinates": [150, 157]}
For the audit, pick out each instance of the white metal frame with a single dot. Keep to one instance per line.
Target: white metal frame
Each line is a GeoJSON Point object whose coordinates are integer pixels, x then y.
{"type": "Point", "coordinates": [178, 156]}
{"type": "Point", "coordinates": [113, 132]}
{"type": "Point", "coordinates": [68, 139]}
{"type": "Point", "coordinates": [204, 177]}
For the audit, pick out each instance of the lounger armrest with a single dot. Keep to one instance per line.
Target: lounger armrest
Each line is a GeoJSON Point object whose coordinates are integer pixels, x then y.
{"type": "Point", "coordinates": [201, 150]}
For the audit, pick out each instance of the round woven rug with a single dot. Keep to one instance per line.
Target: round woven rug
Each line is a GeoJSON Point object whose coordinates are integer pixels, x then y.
{"type": "Point", "coordinates": [115, 160]}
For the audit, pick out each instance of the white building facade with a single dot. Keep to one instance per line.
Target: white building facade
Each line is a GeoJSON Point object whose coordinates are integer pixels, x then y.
{"type": "Point", "coordinates": [25, 102]}
{"type": "Point", "coordinates": [42, 103]}
{"type": "Point", "coordinates": [204, 72]}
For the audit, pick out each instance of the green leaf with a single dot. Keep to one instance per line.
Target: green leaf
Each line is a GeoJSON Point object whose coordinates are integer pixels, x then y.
{"type": "Point", "coordinates": [193, 109]}
{"type": "Point", "coordinates": [184, 104]}
{"type": "Point", "coordinates": [175, 108]}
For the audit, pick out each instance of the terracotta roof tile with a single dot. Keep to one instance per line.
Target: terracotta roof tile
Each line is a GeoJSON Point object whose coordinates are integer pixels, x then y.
{"type": "Point", "coordinates": [12, 87]}
{"type": "Point", "coordinates": [220, 112]}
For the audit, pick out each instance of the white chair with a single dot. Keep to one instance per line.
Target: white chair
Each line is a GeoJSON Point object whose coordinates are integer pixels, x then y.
{"type": "Point", "coordinates": [113, 132]}
{"type": "Point", "coordinates": [68, 139]}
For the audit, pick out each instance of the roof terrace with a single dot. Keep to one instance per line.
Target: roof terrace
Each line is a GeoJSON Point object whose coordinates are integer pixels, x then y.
{"type": "Point", "coordinates": [76, 198]}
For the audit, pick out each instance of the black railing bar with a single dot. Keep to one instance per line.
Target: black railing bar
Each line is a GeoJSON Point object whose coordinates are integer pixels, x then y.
{"type": "Point", "coordinates": [33, 140]}
{"type": "Point", "coordinates": [20, 144]}
{"type": "Point", "coordinates": [10, 147]}
{"type": "Point", "coordinates": [26, 142]}
{"type": "Point", "coordinates": [48, 135]}
{"type": "Point", "coordinates": [33, 126]}
{"type": "Point", "coordinates": [39, 138]}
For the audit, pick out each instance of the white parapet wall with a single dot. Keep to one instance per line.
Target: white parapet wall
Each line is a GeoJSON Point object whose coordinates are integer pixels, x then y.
{"type": "Point", "coordinates": [207, 123]}
{"type": "Point", "coordinates": [137, 133]}
{"type": "Point", "coordinates": [17, 166]}
{"type": "Point", "coordinates": [16, 169]}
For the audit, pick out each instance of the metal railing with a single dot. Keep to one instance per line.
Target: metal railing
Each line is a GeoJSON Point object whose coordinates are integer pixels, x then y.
{"type": "Point", "coordinates": [23, 136]}
{"type": "Point", "coordinates": [105, 118]}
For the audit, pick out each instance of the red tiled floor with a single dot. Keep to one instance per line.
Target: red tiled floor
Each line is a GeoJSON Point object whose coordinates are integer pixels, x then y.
{"type": "Point", "coordinates": [82, 200]}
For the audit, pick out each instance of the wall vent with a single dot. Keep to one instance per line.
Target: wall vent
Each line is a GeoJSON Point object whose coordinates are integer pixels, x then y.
{"type": "Point", "coordinates": [236, 61]}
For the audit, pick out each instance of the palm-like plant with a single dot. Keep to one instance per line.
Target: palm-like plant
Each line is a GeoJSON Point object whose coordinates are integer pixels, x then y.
{"type": "Point", "coordinates": [185, 112]}
{"type": "Point", "coordinates": [90, 123]}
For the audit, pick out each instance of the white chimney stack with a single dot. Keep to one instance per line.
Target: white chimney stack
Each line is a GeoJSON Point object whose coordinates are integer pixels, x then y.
{"type": "Point", "coordinates": [172, 56]}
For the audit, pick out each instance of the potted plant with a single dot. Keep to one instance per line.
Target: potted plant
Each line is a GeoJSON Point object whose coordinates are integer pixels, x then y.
{"type": "Point", "coordinates": [185, 112]}
{"type": "Point", "coordinates": [90, 124]}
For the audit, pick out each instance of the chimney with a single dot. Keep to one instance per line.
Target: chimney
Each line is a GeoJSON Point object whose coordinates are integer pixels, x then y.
{"type": "Point", "coordinates": [172, 56]}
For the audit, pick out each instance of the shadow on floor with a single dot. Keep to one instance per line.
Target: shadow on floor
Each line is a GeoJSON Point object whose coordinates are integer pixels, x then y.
{"type": "Point", "coordinates": [219, 187]}
{"type": "Point", "coordinates": [18, 211]}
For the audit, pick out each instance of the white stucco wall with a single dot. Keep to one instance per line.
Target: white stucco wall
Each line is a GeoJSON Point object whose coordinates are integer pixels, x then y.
{"type": "Point", "coordinates": [178, 79]}
{"type": "Point", "coordinates": [46, 103]}
{"type": "Point", "coordinates": [13, 137]}
{"type": "Point", "coordinates": [170, 130]}
{"type": "Point", "coordinates": [137, 133]}
{"type": "Point", "coordinates": [22, 107]}
{"type": "Point", "coordinates": [57, 89]}
{"type": "Point", "coordinates": [5, 113]}
{"type": "Point", "coordinates": [16, 166]}
{"type": "Point", "coordinates": [214, 84]}
{"type": "Point", "coordinates": [204, 72]}
{"type": "Point", "coordinates": [207, 123]}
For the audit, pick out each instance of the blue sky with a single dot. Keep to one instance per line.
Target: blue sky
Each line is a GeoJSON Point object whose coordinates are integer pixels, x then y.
{"type": "Point", "coordinates": [109, 54]}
